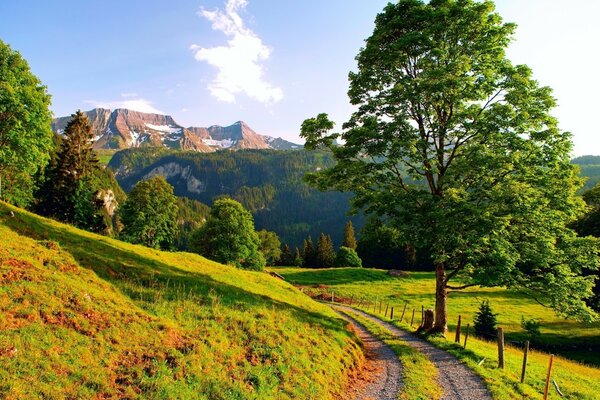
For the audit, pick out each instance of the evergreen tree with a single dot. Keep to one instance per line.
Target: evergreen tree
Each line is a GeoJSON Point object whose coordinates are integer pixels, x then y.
{"type": "Point", "coordinates": [485, 321]}
{"type": "Point", "coordinates": [286, 258]}
{"type": "Point", "coordinates": [309, 254]}
{"type": "Point", "coordinates": [325, 251]}
{"type": "Point", "coordinates": [349, 238]}
{"type": "Point", "coordinates": [297, 262]}
{"type": "Point", "coordinates": [149, 215]}
{"type": "Point", "coordinates": [67, 192]}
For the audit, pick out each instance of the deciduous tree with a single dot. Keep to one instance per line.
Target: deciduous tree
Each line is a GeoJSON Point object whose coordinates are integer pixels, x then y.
{"type": "Point", "coordinates": [149, 215]}
{"type": "Point", "coordinates": [456, 146]}
{"type": "Point", "coordinates": [25, 134]}
{"type": "Point", "coordinates": [228, 236]}
{"type": "Point", "coordinates": [270, 246]}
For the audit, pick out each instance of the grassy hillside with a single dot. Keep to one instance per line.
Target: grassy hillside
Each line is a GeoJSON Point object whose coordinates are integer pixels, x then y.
{"type": "Point", "coordinates": [568, 337]}
{"type": "Point", "coordinates": [85, 316]}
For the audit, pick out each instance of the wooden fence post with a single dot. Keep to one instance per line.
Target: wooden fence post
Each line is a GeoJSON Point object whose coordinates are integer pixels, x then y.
{"type": "Point", "coordinates": [332, 297]}
{"type": "Point", "coordinates": [413, 318]}
{"type": "Point", "coordinates": [380, 303]}
{"type": "Point", "coordinates": [525, 353]}
{"type": "Point", "coordinates": [351, 299]}
{"type": "Point", "coordinates": [386, 310]}
{"type": "Point", "coordinates": [548, 376]}
{"type": "Point", "coordinates": [392, 313]}
{"type": "Point", "coordinates": [457, 338]}
{"type": "Point", "coordinates": [500, 348]}
{"type": "Point", "coordinates": [466, 336]}
{"type": "Point", "coordinates": [422, 314]}
{"type": "Point", "coordinates": [403, 311]}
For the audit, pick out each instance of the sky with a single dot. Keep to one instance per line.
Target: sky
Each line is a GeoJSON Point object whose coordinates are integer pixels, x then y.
{"type": "Point", "coordinates": [271, 63]}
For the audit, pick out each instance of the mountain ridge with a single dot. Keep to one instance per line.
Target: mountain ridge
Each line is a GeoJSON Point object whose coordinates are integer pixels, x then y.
{"type": "Point", "coordinates": [123, 128]}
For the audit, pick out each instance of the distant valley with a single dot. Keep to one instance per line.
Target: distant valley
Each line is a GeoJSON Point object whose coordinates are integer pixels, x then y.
{"type": "Point", "coordinates": [123, 128]}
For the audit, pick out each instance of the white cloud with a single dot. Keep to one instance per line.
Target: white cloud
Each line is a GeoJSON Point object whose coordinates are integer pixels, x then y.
{"type": "Point", "coordinates": [129, 94]}
{"type": "Point", "coordinates": [140, 105]}
{"type": "Point", "coordinates": [239, 64]}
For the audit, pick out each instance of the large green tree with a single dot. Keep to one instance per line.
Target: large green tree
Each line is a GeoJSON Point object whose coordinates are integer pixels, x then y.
{"type": "Point", "coordinates": [25, 134]}
{"type": "Point", "coordinates": [149, 215]}
{"type": "Point", "coordinates": [349, 238]}
{"type": "Point", "coordinates": [228, 236]}
{"type": "Point", "coordinates": [456, 147]}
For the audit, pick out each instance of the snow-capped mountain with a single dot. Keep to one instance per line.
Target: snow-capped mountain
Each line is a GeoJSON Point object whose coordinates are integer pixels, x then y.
{"type": "Point", "coordinates": [122, 128]}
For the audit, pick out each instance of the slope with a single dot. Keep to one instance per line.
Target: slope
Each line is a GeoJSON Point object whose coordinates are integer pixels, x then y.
{"type": "Point", "coordinates": [85, 316]}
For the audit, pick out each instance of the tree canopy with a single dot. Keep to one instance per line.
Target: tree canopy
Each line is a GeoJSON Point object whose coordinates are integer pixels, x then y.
{"type": "Point", "coordinates": [349, 238]}
{"type": "Point", "coordinates": [149, 215]}
{"type": "Point", "coordinates": [456, 147]}
{"type": "Point", "coordinates": [25, 135]}
{"type": "Point", "coordinates": [270, 246]}
{"type": "Point", "coordinates": [228, 236]}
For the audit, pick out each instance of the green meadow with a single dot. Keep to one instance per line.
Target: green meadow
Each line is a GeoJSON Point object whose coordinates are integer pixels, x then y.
{"type": "Point", "coordinates": [569, 338]}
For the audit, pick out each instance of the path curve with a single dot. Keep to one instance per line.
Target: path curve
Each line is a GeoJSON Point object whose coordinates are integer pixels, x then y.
{"type": "Point", "coordinates": [383, 377]}
{"type": "Point", "coordinates": [456, 379]}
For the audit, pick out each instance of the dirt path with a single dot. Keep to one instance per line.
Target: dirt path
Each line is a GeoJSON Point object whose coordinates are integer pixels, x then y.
{"type": "Point", "coordinates": [456, 379]}
{"type": "Point", "coordinates": [382, 375]}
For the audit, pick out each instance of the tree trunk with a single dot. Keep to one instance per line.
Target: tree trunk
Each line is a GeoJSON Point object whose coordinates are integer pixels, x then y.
{"type": "Point", "coordinates": [441, 296]}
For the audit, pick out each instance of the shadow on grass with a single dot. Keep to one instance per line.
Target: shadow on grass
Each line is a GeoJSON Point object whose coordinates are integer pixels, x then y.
{"type": "Point", "coordinates": [131, 272]}
{"type": "Point", "coordinates": [337, 276]}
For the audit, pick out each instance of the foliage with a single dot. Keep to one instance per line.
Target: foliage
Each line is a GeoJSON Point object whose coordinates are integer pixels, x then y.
{"type": "Point", "coordinates": [347, 257]}
{"type": "Point", "coordinates": [297, 261]}
{"type": "Point", "coordinates": [94, 317]}
{"type": "Point", "coordinates": [267, 182]}
{"type": "Point", "coordinates": [228, 236]}
{"type": "Point", "coordinates": [149, 215]}
{"type": "Point", "coordinates": [380, 246]}
{"type": "Point", "coordinates": [349, 239]}
{"type": "Point", "coordinates": [325, 251]}
{"type": "Point", "coordinates": [25, 134]}
{"type": "Point", "coordinates": [286, 258]}
{"type": "Point", "coordinates": [72, 181]}
{"type": "Point", "coordinates": [485, 321]}
{"type": "Point", "coordinates": [457, 148]}
{"type": "Point", "coordinates": [191, 214]}
{"type": "Point", "coordinates": [531, 326]}
{"type": "Point", "coordinates": [309, 253]}
{"type": "Point", "coordinates": [269, 246]}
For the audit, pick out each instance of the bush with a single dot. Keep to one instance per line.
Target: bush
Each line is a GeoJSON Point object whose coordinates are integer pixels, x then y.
{"type": "Point", "coordinates": [347, 257]}
{"type": "Point", "coordinates": [485, 321]}
{"type": "Point", "coordinates": [532, 326]}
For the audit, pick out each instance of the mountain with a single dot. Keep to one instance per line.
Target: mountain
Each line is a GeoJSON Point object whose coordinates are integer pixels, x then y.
{"type": "Point", "coordinates": [590, 170]}
{"type": "Point", "coordinates": [269, 183]}
{"type": "Point", "coordinates": [123, 128]}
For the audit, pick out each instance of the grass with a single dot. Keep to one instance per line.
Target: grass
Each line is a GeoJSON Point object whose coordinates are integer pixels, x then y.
{"type": "Point", "coordinates": [105, 155]}
{"type": "Point", "coordinates": [419, 375]}
{"type": "Point", "coordinates": [576, 380]}
{"type": "Point", "coordinates": [570, 338]}
{"type": "Point", "coordinates": [85, 316]}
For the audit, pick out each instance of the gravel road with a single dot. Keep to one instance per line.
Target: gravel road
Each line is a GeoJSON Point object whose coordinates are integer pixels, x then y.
{"type": "Point", "coordinates": [457, 380]}
{"type": "Point", "coordinates": [382, 376]}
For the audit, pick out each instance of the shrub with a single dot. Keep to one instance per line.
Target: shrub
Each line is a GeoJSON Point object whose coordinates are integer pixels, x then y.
{"type": "Point", "coordinates": [347, 257]}
{"type": "Point", "coordinates": [532, 326]}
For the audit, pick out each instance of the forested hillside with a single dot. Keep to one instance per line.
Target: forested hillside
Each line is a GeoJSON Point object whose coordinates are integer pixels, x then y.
{"type": "Point", "coordinates": [590, 168]}
{"type": "Point", "coordinates": [267, 182]}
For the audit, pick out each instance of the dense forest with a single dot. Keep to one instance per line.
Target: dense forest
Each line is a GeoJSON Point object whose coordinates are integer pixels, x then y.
{"type": "Point", "coordinates": [590, 168]}
{"type": "Point", "coordinates": [268, 183]}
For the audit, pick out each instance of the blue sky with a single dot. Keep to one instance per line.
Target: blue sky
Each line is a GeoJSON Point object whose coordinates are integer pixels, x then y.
{"type": "Point", "coordinates": [271, 64]}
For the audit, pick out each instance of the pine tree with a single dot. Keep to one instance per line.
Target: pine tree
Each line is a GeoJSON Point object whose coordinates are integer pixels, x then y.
{"type": "Point", "coordinates": [325, 251]}
{"type": "Point", "coordinates": [309, 255]}
{"type": "Point", "coordinates": [286, 256]}
{"type": "Point", "coordinates": [349, 238]}
{"type": "Point", "coordinates": [67, 193]}
{"type": "Point", "coordinates": [485, 321]}
{"type": "Point", "coordinates": [297, 258]}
